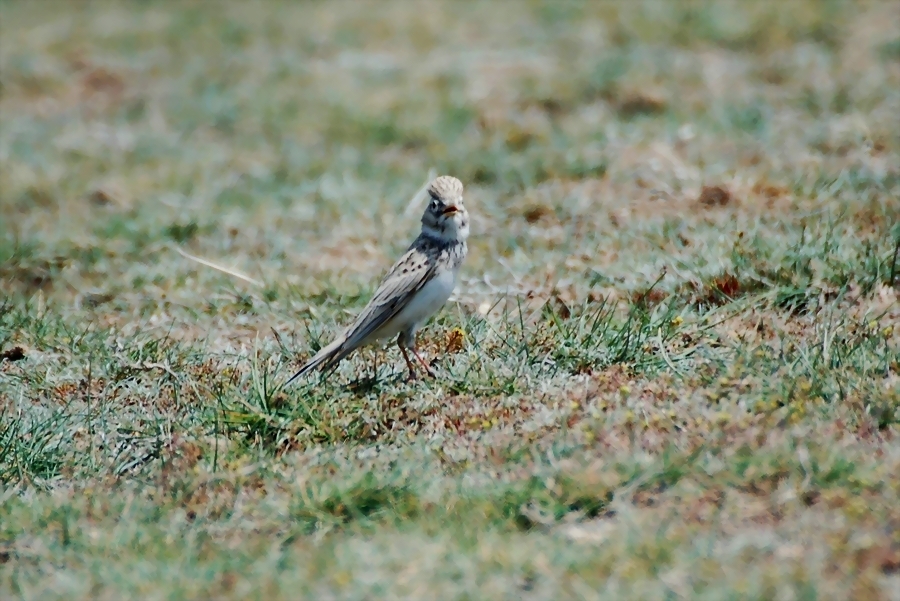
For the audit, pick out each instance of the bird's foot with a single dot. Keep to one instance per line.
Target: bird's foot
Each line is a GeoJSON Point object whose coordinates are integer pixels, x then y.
{"type": "Point", "coordinates": [425, 365]}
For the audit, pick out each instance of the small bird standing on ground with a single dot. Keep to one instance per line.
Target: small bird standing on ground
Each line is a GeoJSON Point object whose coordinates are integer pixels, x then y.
{"type": "Point", "coordinates": [415, 287]}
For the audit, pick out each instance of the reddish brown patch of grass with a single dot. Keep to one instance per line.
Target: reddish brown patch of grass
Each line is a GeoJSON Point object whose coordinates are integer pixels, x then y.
{"type": "Point", "coordinates": [727, 285]}
{"type": "Point", "coordinates": [649, 298]}
{"type": "Point", "coordinates": [100, 80]}
{"type": "Point", "coordinates": [16, 353]}
{"type": "Point", "coordinates": [636, 104]}
{"type": "Point", "coordinates": [715, 196]}
{"type": "Point", "coordinates": [720, 290]}
{"type": "Point", "coordinates": [535, 213]}
{"type": "Point", "coordinates": [454, 340]}
{"type": "Point", "coordinates": [769, 191]}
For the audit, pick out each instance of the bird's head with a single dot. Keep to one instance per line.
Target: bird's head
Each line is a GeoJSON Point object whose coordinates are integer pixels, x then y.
{"type": "Point", "coordinates": [445, 217]}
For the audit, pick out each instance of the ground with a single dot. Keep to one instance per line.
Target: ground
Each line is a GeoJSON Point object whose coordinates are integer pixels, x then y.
{"type": "Point", "coordinates": [671, 369]}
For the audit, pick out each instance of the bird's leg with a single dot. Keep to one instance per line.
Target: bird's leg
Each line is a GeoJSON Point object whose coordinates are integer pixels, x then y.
{"type": "Point", "coordinates": [402, 342]}
{"type": "Point", "coordinates": [428, 370]}
{"type": "Point", "coordinates": [421, 360]}
{"type": "Point", "coordinates": [409, 364]}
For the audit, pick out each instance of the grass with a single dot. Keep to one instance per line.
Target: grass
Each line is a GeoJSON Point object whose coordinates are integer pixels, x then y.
{"type": "Point", "coordinates": [670, 370]}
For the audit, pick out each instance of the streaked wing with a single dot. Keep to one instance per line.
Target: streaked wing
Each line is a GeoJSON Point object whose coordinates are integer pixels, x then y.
{"type": "Point", "coordinates": [406, 277]}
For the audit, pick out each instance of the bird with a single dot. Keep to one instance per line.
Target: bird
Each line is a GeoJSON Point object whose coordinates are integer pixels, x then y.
{"type": "Point", "coordinates": [415, 288]}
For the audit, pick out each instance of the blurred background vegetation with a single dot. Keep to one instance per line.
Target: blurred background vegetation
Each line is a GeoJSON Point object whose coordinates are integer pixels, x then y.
{"type": "Point", "coordinates": [670, 370]}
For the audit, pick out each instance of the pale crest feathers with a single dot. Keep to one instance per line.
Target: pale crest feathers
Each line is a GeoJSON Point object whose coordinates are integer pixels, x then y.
{"type": "Point", "coordinates": [445, 187]}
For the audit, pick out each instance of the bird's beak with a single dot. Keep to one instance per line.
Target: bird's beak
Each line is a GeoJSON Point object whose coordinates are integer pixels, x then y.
{"type": "Point", "coordinates": [450, 210]}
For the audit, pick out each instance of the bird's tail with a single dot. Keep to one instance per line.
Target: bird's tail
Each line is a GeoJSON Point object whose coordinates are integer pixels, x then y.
{"type": "Point", "coordinates": [325, 359]}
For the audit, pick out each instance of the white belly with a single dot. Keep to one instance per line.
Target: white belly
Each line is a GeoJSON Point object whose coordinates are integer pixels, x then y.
{"type": "Point", "coordinates": [420, 307]}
